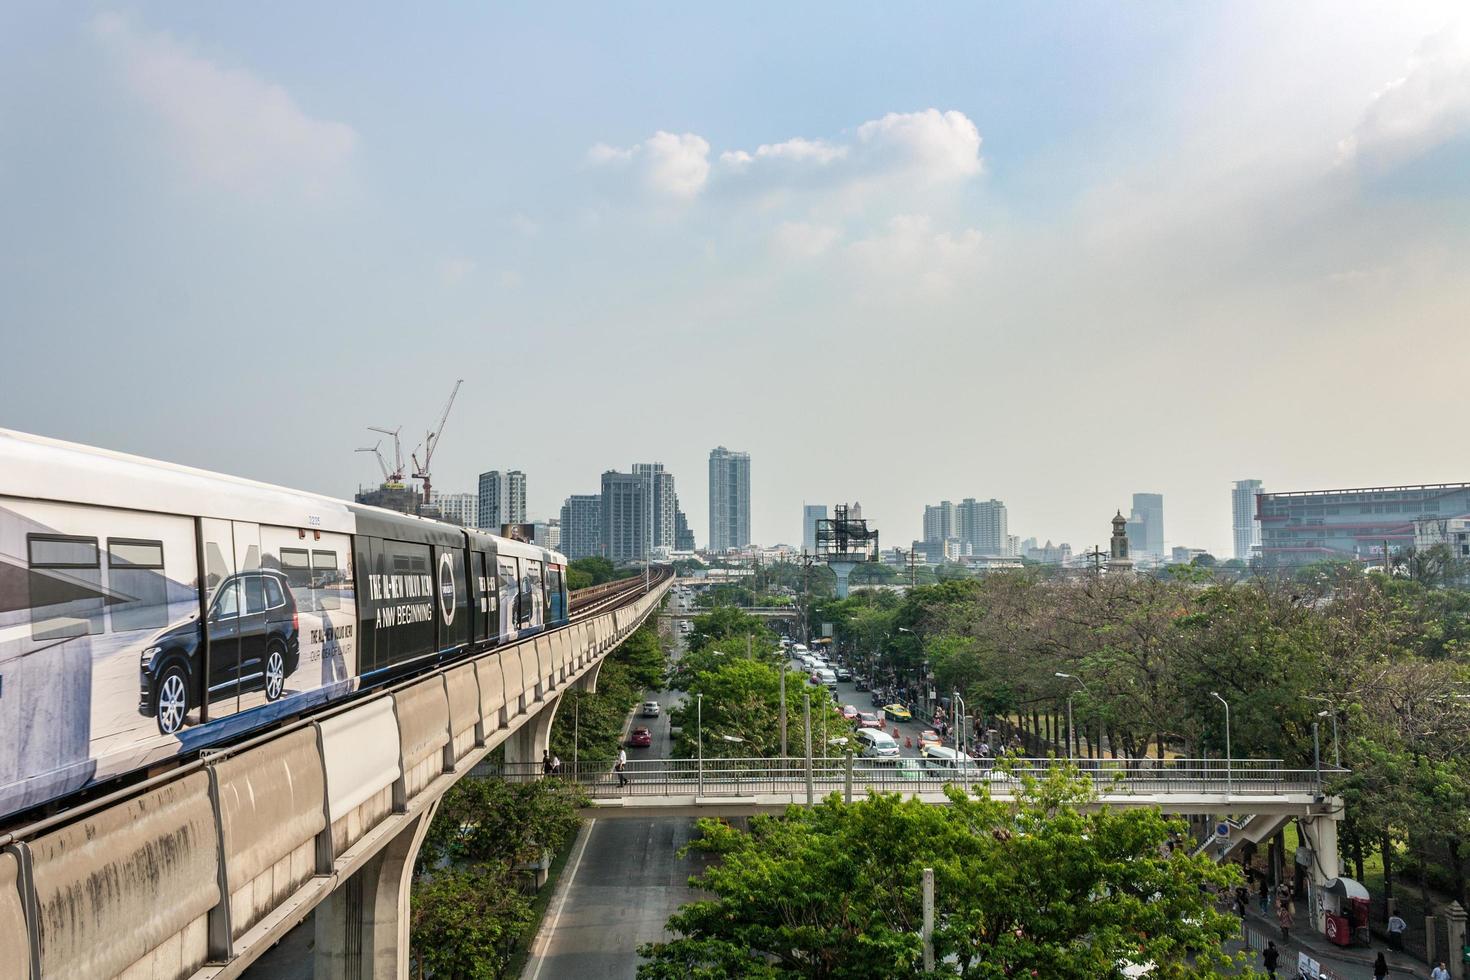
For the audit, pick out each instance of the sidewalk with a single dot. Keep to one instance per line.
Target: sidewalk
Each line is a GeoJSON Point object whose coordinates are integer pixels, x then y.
{"type": "Point", "coordinates": [1344, 963]}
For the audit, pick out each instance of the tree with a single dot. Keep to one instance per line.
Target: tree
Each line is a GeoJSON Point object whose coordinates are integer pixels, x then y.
{"type": "Point", "coordinates": [1043, 886]}
{"type": "Point", "coordinates": [742, 700]}
{"type": "Point", "coordinates": [466, 923]}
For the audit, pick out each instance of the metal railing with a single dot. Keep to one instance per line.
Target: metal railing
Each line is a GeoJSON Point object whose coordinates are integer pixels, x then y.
{"type": "Point", "coordinates": [751, 777]}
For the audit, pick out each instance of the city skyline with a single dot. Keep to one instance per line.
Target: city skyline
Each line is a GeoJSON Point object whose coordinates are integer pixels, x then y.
{"type": "Point", "coordinates": [1287, 186]}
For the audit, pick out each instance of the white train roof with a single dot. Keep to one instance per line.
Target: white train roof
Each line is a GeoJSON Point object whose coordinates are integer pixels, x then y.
{"type": "Point", "coordinates": [50, 469]}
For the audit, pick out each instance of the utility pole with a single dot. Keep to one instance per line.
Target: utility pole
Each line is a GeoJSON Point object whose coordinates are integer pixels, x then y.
{"type": "Point", "coordinates": [783, 712]}
{"type": "Point", "coordinates": [806, 711]}
{"type": "Point", "coordinates": [1095, 555]}
{"type": "Point", "coordinates": [927, 929]}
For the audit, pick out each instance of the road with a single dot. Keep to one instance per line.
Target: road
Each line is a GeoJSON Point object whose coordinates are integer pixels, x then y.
{"type": "Point", "coordinates": [623, 881]}
{"type": "Point", "coordinates": [847, 693]}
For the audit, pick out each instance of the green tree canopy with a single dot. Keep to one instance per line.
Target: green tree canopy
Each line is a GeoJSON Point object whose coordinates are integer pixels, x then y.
{"type": "Point", "coordinates": [1041, 887]}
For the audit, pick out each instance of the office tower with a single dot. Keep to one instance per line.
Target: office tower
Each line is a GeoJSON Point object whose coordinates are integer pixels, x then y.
{"type": "Point", "coordinates": [502, 499]}
{"type": "Point", "coordinates": [729, 499]}
{"type": "Point", "coordinates": [547, 533]}
{"type": "Point", "coordinates": [581, 526]}
{"type": "Point", "coordinates": [1148, 512]}
{"type": "Point", "coordinates": [625, 516]}
{"type": "Point", "coordinates": [1243, 525]}
{"type": "Point", "coordinates": [810, 514]}
{"type": "Point", "coordinates": [458, 508]}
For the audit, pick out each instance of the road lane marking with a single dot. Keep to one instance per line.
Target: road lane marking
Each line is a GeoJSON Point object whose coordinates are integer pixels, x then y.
{"type": "Point", "coordinates": [544, 939]}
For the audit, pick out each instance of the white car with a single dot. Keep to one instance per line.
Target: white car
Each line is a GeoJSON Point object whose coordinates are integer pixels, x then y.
{"type": "Point", "coordinates": [650, 709]}
{"type": "Point", "coordinates": [876, 744]}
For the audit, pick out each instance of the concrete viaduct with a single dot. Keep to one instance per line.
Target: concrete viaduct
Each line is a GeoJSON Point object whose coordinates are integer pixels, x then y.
{"type": "Point", "coordinates": [195, 872]}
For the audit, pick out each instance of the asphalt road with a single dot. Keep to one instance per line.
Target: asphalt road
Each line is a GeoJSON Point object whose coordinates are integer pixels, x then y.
{"type": "Point", "coordinates": [622, 882]}
{"type": "Point", "coordinates": [847, 693]}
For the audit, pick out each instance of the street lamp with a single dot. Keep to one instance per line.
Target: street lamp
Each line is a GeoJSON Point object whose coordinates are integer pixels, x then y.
{"type": "Point", "coordinates": [1229, 758]}
{"type": "Point", "coordinates": [699, 737]}
{"type": "Point", "coordinates": [1336, 745]}
{"type": "Point", "coordinates": [1072, 732]}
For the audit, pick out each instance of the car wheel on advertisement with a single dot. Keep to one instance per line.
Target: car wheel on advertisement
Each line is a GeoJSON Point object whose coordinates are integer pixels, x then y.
{"type": "Point", "coordinates": [172, 699]}
{"type": "Point", "coordinates": [275, 674]}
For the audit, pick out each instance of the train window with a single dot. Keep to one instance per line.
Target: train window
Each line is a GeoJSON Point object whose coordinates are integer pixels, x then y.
{"type": "Point", "coordinates": [137, 584]}
{"type": "Point", "coordinates": [296, 563]}
{"type": "Point", "coordinates": [273, 595]}
{"type": "Point", "coordinates": [325, 579]}
{"type": "Point", "coordinates": [254, 594]}
{"type": "Point", "coordinates": [65, 582]}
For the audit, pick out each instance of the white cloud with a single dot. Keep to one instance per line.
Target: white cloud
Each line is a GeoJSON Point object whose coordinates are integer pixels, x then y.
{"type": "Point", "coordinates": [930, 144]}
{"type": "Point", "coordinates": [676, 165]}
{"type": "Point", "coordinates": [925, 147]}
{"type": "Point", "coordinates": [672, 165]}
{"type": "Point", "coordinates": [233, 128]}
{"type": "Point", "coordinates": [909, 254]}
{"type": "Point", "coordinates": [802, 240]}
{"type": "Point", "coordinates": [1426, 106]}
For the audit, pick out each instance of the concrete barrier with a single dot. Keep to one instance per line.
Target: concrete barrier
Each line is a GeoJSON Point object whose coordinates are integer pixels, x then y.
{"type": "Point", "coordinates": [515, 682]}
{"type": "Point", "coordinates": [360, 751]}
{"type": "Point", "coordinates": [530, 672]}
{"type": "Point", "coordinates": [423, 725]}
{"type": "Point", "coordinates": [464, 709]}
{"type": "Point", "coordinates": [15, 945]}
{"type": "Point", "coordinates": [129, 888]}
{"type": "Point", "coordinates": [492, 692]}
{"type": "Point", "coordinates": [548, 673]}
{"type": "Point", "coordinates": [272, 806]}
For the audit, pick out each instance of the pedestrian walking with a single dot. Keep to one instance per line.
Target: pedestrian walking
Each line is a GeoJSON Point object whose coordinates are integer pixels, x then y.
{"type": "Point", "coordinates": [556, 765]}
{"type": "Point", "coordinates": [1396, 927]}
{"type": "Point", "coordinates": [1263, 895]}
{"type": "Point", "coordinates": [546, 762]}
{"type": "Point", "coordinates": [622, 764]}
{"type": "Point", "coordinates": [1380, 968]}
{"type": "Point", "coordinates": [1439, 972]}
{"type": "Point", "coordinates": [1270, 956]}
{"type": "Point", "coordinates": [1284, 919]}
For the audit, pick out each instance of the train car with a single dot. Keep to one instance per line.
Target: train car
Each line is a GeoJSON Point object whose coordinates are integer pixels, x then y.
{"type": "Point", "coordinates": [148, 609]}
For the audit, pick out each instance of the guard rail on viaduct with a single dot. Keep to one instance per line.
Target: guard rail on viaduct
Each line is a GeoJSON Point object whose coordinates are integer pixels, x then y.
{"type": "Point", "coordinates": [193, 874]}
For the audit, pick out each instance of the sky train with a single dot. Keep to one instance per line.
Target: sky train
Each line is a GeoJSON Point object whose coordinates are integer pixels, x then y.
{"type": "Point", "coordinates": [148, 610]}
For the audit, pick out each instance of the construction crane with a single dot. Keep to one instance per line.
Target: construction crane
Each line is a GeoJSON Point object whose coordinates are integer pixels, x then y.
{"type": "Point", "coordinates": [382, 463]}
{"type": "Point", "coordinates": [392, 477]}
{"type": "Point", "coordinates": [431, 441]}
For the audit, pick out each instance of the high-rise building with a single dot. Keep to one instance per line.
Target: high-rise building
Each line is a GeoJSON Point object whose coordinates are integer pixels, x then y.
{"type": "Point", "coordinates": [1148, 512]}
{"type": "Point", "coordinates": [581, 526]}
{"type": "Point", "coordinates": [665, 504]}
{"type": "Point", "coordinates": [983, 525]}
{"type": "Point", "coordinates": [1245, 530]}
{"type": "Point", "coordinates": [810, 514]}
{"type": "Point", "coordinates": [939, 521]}
{"type": "Point", "coordinates": [458, 508]}
{"type": "Point", "coordinates": [729, 499]}
{"type": "Point", "coordinates": [683, 533]}
{"type": "Point", "coordinates": [547, 533]}
{"type": "Point", "coordinates": [502, 499]}
{"type": "Point", "coordinates": [625, 516]}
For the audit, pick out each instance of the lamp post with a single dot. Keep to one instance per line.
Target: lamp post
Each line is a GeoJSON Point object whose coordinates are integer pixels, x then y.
{"type": "Point", "coordinates": [1229, 758]}
{"type": "Point", "coordinates": [806, 711]}
{"type": "Point", "coordinates": [783, 710]}
{"type": "Point", "coordinates": [699, 737]}
{"type": "Point", "coordinates": [1336, 745]}
{"type": "Point", "coordinates": [1072, 732]}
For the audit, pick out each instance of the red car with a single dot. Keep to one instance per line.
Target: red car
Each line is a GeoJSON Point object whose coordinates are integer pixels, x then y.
{"type": "Point", "coordinates": [849, 712]}
{"type": "Point", "coordinates": [869, 719]}
{"type": "Point", "coordinates": [641, 738]}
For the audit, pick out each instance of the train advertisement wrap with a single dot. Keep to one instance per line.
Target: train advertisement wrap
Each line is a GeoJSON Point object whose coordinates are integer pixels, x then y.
{"type": "Point", "coordinates": [104, 664]}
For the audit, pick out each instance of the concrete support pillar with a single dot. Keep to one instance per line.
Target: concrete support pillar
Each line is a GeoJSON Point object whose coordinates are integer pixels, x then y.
{"type": "Point", "coordinates": [842, 569]}
{"type": "Point", "coordinates": [524, 748]}
{"type": "Point", "coordinates": [1456, 938]}
{"type": "Point", "coordinates": [1321, 833]}
{"type": "Point", "coordinates": [362, 927]}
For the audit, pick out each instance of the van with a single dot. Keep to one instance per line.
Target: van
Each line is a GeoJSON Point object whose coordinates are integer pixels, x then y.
{"type": "Point", "coordinates": [876, 744]}
{"type": "Point", "coordinates": [827, 676]}
{"type": "Point", "coordinates": [946, 763]}
{"type": "Point", "coordinates": [798, 648]}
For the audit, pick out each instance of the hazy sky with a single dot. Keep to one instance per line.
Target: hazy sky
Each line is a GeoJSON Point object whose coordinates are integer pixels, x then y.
{"type": "Point", "coordinates": [1051, 253]}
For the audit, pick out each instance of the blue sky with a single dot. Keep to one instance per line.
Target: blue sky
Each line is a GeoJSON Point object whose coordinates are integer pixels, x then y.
{"type": "Point", "coordinates": [1051, 253]}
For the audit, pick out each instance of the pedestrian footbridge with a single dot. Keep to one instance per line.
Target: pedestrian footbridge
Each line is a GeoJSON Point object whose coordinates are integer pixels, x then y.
{"type": "Point", "coordinates": [743, 787]}
{"type": "Point", "coordinates": [197, 871]}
